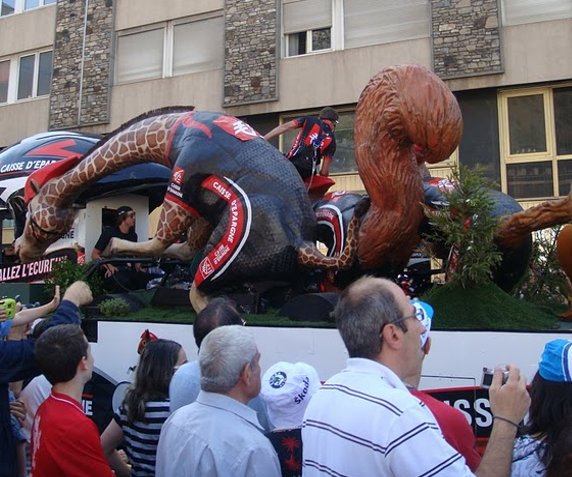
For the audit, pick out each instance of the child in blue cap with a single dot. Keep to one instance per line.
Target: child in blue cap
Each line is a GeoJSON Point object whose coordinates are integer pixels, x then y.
{"type": "Point", "coordinates": [544, 447]}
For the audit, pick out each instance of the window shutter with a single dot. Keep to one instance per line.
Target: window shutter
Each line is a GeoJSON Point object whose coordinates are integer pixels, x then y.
{"type": "Point", "coordinates": [373, 22]}
{"type": "Point", "coordinates": [303, 15]}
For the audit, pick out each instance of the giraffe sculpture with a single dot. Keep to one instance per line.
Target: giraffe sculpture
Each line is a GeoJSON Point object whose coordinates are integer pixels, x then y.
{"type": "Point", "coordinates": [230, 191]}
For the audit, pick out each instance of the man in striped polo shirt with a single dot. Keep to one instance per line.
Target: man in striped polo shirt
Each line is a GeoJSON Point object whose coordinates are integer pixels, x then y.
{"type": "Point", "coordinates": [363, 421]}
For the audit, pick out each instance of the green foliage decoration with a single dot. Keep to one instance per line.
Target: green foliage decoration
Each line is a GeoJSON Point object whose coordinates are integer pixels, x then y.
{"type": "Point", "coordinates": [66, 272]}
{"type": "Point", "coordinates": [545, 281]}
{"type": "Point", "coordinates": [467, 225]}
{"type": "Point", "coordinates": [114, 307]}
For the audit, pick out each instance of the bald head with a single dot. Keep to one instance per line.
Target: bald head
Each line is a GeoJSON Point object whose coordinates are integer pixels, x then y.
{"type": "Point", "coordinates": [363, 309]}
{"type": "Point", "coordinates": [219, 312]}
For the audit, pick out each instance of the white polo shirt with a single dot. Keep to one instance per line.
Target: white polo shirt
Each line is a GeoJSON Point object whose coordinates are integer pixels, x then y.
{"type": "Point", "coordinates": [364, 422]}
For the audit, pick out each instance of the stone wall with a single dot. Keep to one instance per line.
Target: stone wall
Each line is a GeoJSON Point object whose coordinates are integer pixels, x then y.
{"type": "Point", "coordinates": [81, 82]}
{"type": "Point", "coordinates": [250, 69]}
{"type": "Point", "coordinates": [466, 38]}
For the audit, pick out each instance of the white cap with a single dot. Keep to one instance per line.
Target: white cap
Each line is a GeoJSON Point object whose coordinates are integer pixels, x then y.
{"type": "Point", "coordinates": [287, 389]}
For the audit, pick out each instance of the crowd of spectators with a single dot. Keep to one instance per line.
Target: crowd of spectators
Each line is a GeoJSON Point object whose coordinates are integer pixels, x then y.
{"type": "Point", "coordinates": [219, 415]}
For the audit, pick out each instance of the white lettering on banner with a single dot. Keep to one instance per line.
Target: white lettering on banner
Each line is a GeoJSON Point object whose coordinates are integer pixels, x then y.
{"type": "Point", "coordinates": [234, 221]}
{"type": "Point", "coordinates": [38, 164]}
{"type": "Point", "coordinates": [32, 269]}
{"type": "Point", "coordinates": [464, 406]}
{"type": "Point", "coordinates": [175, 192]}
{"type": "Point", "coordinates": [484, 417]}
{"type": "Point", "coordinates": [220, 252]}
{"type": "Point", "coordinates": [222, 190]}
{"type": "Point", "coordinates": [241, 127]}
{"type": "Point", "coordinates": [87, 407]}
{"type": "Point", "coordinates": [481, 406]}
{"type": "Point", "coordinates": [69, 235]}
{"type": "Point", "coordinates": [16, 166]}
{"type": "Point", "coordinates": [10, 273]}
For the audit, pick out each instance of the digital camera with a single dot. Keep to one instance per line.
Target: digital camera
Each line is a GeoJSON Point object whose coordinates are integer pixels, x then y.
{"type": "Point", "coordinates": [488, 377]}
{"type": "Point", "coordinates": [9, 306]}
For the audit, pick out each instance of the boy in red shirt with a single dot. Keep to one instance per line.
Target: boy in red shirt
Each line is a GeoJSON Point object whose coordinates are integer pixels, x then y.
{"type": "Point", "coordinates": [65, 442]}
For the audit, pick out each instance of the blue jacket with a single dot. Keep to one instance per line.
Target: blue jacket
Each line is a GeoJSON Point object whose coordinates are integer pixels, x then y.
{"type": "Point", "coordinates": [17, 363]}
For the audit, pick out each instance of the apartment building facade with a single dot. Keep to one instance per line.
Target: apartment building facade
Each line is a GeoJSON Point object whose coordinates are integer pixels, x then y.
{"type": "Point", "coordinates": [91, 65]}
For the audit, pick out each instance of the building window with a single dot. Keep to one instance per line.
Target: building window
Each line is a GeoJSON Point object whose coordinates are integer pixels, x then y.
{"type": "Point", "coordinates": [25, 77]}
{"type": "Point", "coordinates": [206, 54]}
{"type": "Point", "coordinates": [516, 12]}
{"type": "Point", "coordinates": [8, 7]}
{"type": "Point", "coordinates": [29, 4]}
{"type": "Point", "coordinates": [536, 142]}
{"type": "Point", "coordinates": [311, 26]}
{"type": "Point", "coordinates": [307, 26]}
{"type": "Point", "coordinates": [373, 22]}
{"type": "Point", "coordinates": [139, 56]}
{"type": "Point", "coordinates": [170, 49]}
{"type": "Point", "coordinates": [34, 75]}
{"type": "Point", "coordinates": [4, 80]}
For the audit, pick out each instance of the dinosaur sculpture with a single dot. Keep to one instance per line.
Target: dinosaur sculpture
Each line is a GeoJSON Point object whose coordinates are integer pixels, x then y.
{"type": "Point", "coordinates": [234, 192]}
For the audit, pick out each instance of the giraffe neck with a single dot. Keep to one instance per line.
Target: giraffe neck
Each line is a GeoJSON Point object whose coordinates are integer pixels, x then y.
{"type": "Point", "coordinates": [143, 142]}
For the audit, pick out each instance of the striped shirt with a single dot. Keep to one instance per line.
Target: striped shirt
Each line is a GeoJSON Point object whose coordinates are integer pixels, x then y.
{"type": "Point", "coordinates": [363, 421]}
{"type": "Point", "coordinates": [141, 437]}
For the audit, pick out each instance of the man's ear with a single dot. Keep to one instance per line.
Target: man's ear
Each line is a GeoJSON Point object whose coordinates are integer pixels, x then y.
{"type": "Point", "coordinates": [82, 365]}
{"type": "Point", "coordinates": [392, 336]}
{"type": "Point", "coordinates": [246, 374]}
{"type": "Point", "coordinates": [427, 346]}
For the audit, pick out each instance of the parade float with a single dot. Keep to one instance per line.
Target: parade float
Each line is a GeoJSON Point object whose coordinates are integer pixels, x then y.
{"type": "Point", "coordinates": [248, 213]}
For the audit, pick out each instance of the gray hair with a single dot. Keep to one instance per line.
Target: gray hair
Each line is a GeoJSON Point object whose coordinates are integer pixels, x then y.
{"type": "Point", "coordinates": [224, 353]}
{"type": "Point", "coordinates": [362, 311]}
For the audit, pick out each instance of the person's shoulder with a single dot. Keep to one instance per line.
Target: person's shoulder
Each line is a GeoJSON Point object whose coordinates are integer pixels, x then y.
{"type": "Point", "coordinates": [157, 408]}
{"type": "Point", "coordinates": [187, 376]}
{"type": "Point", "coordinates": [525, 446]}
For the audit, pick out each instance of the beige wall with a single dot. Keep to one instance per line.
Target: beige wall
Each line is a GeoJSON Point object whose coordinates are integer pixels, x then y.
{"type": "Point", "coordinates": [312, 81]}
{"type": "Point", "coordinates": [26, 31]}
{"type": "Point", "coordinates": [133, 13]}
{"type": "Point", "coordinates": [532, 53]}
{"type": "Point", "coordinates": [23, 119]}
{"type": "Point", "coordinates": [202, 90]}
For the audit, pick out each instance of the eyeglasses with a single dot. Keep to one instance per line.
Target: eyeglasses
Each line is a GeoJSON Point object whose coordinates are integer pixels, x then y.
{"type": "Point", "coordinates": [418, 315]}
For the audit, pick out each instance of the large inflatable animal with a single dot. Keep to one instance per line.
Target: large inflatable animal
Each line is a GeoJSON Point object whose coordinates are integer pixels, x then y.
{"type": "Point", "coordinates": [234, 192]}
{"type": "Point", "coordinates": [230, 192]}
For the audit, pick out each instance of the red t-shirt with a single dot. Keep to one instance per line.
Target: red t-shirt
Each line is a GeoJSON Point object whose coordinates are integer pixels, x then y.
{"type": "Point", "coordinates": [65, 442]}
{"type": "Point", "coordinates": [454, 426]}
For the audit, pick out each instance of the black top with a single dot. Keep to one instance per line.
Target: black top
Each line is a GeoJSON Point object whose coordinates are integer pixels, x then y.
{"type": "Point", "coordinates": [288, 446]}
{"type": "Point", "coordinates": [111, 232]}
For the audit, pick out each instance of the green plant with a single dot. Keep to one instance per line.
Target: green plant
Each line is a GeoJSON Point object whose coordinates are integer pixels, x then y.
{"type": "Point", "coordinates": [545, 281]}
{"type": "Point", "coordinates": [468, 226]}
{"type": "Point", "coordinates": [66, 272]}
{"type": "Point", "coordinates": [114, 307]}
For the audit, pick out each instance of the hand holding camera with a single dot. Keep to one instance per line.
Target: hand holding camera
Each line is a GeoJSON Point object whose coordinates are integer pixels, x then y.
{"type": "Point", "coordinates": [509, 398]}
{"type": "Point", "coordinates": [488, 374]}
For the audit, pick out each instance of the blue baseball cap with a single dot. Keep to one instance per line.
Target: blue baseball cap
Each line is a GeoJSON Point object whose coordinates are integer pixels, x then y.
{"type": "Point", "coordinates": [426, 312]}
{"type": "Point", "coordinates": [556, 361]}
